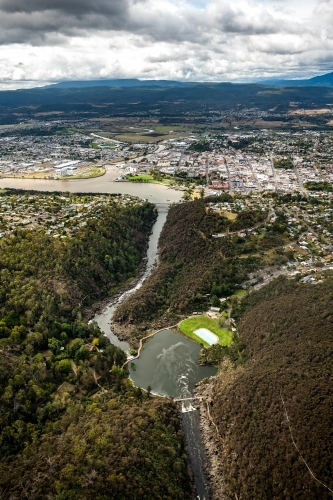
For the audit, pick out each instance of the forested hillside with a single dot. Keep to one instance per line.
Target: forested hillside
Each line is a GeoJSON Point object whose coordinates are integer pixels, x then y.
{"type": "Point", "coordinates": [45, 279]}
{"type": "Point", "coordinates": [194, 265]}
{"type": "Point", "coordinates": [287, 328]}
{"type": "Point", "coordinates": [71, 425]}
{"type": "Point", "coordinates": [168, 102]}
{"type": "Point", "coordinates": [118, 449]}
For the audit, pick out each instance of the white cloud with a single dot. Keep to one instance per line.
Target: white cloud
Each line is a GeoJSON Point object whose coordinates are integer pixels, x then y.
{"type": "Point", "coordinates": [52, 40]}
{"type": "Point", "coordinates": [18, 74]}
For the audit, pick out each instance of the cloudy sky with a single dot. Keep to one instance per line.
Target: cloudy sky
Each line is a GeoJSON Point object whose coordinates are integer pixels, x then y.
{"type": "Point", "coordinates": [196, 40]}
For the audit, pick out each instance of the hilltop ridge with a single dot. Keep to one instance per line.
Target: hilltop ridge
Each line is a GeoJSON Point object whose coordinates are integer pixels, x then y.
{"type": "Point", "coordinates": [325, 80]}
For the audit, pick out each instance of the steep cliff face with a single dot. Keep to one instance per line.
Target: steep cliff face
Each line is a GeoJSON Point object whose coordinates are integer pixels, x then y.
{"type": "Point", "coordinates": [275, 412]}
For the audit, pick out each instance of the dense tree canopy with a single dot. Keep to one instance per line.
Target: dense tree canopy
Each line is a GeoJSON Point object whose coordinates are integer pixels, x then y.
{"type": "Point", "coordinates": [111, 450]}
{"type": "Point", "coordinates": [71, 424]}
{"type": "Point", "coordinates": [287, 330]}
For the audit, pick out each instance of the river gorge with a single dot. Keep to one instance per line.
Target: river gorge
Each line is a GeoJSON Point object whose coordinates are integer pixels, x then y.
{"type": "Point", "coordinates": [168, 364]}
{"type": "Point", "coordinates": [169, 361]}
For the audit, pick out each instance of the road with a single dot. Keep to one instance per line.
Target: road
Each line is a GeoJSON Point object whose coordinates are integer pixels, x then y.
{"type": "Point", "coordinates": [159, 149]}
{"type": "Point", "coordinates": [229, 177]}
{"type": "Point", "coordinates": [259, 187]}
{"type": "Point", "coordinates": [273, 170]}
{"type": "Point", "coordinates": [299, 178]}
{"type": "Point", "coordinates": [107, 139]}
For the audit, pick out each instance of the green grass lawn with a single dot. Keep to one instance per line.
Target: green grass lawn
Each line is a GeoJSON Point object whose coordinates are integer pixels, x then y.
{"type": "Point", "coordinates": [240, 293]}
{"type": "Point", "coordinates": [148, 178]}
{"type": "Point", "coordinates": [188, 326]}
{"type": "Point", "coordinates": [144, 177]}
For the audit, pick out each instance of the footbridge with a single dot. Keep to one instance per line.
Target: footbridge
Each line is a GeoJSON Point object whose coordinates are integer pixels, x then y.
{"type": "Point", "coordinates": [165, 205]}
{"type": "Point", "coordinates": [198, 398]}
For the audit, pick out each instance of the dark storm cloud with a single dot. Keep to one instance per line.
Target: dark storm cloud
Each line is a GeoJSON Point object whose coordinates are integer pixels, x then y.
{"type": "Point", "coordinates": [176, 39]}
{"type": "Point", "coordinates": [37, 21]}
{"type": "Point", "coordinates": [56, 22]}
{"type": "Point", "coordinates": [71, 7]}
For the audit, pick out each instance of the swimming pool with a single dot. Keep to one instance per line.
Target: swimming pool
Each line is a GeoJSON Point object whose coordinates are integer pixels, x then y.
{"type": "Point", "coordinates": [207, 335]}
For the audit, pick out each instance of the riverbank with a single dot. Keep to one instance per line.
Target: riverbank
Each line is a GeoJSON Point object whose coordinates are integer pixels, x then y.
{"type": "Point", "coordinates": [141, 344]}
{"type": "Point", "coordinates": [85, 174]}
{"type": "Point", "coordinates": [132, 334]}
{"type": "Point", "coordinates": [155, 193]}
{"type": "Point", "coordinates": [112, 300]}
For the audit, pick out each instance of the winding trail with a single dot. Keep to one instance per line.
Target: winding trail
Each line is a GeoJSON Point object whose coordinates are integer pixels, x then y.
{"type": "Point", "coordinates": [99, 385]}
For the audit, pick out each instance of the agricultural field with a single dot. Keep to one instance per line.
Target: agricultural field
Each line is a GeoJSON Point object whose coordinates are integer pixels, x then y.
{"type": "Point", "coordinates": [146, 137]}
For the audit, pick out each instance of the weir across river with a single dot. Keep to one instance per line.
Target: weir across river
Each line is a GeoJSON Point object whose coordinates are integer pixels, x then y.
{"type": "Point", "coordinates": [199, 398]}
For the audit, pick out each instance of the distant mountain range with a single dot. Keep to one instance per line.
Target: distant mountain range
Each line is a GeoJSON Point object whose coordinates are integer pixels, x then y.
{"type": "Point", "coordinates": [317, 81]}
{"type": "Point", "coordinates": [171, 100]}
{"type": "Point", "coordinates": [121, 82]}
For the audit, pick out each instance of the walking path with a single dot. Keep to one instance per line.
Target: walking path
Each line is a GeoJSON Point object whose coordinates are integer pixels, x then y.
{"type": "Point", "coordinates": [145, 338]}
